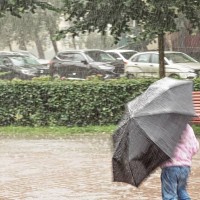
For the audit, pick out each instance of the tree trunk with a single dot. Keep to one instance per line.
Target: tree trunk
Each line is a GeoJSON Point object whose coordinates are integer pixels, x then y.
{"type": "Point", "coordinates": [74, 42]}
{"type": "Point", "coordinates": [9, 45]}
{"type": "Point", "coordinates": [103, 41]}
{"type": "Point", "coordinates": [22, 44]}
{"type": "Point", "coordinates": [161, 49]}
{"type": "Point", "coordinates": [55, 47]}
{"type": "Point", "coordinates": [38, 44]}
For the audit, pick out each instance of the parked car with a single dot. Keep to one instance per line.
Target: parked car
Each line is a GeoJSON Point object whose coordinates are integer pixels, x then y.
{"type": "Point", "coordinates": [177, 64]}
{"type": "Point", "coordinates": [44, 62]}
{"type": "Point", "coordinates": [80, 64]}
{"type": "Point", "coordinates": [16, 65]}
{"type": "Point", "coordinates": [122, 54]}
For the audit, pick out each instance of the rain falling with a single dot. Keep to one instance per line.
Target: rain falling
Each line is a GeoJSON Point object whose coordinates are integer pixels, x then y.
{"type": "Point", "coordinates": [69, 72]}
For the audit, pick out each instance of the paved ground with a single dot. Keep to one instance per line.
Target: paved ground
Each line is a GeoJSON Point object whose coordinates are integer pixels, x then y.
{"type": "Point", "coordinates": [75, 168]}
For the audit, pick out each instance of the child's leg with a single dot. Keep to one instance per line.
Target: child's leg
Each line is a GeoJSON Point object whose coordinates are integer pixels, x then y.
{"type": "Point", "coordinates": [182, 183]}
{"type": "Point", "coordinates": [169, 183]}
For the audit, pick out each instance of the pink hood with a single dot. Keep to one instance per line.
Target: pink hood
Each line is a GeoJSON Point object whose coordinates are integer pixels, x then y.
{"type": "Point", "coordinates": [185, 149]}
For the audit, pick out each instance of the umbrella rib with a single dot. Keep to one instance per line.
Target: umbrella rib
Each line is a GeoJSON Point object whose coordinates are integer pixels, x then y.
{"type": "Point", "coordinates": [145, 114]}
{"type": "Point", "coordinates": [130, 168]}
{"type": "Point", "coordinates": [142, 130]}
{"type": "Point", "coordinates": [125, 124]}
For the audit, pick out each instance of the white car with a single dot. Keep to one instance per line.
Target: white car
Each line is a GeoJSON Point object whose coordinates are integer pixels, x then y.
{"type": "Point", "coordinates": [177, 65]}
{"type": "Point", "coordinates": [121, 54]}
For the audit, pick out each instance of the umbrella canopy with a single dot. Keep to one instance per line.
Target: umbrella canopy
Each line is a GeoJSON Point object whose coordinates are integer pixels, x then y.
{"type": "Point", "coordinates": [150, 129]}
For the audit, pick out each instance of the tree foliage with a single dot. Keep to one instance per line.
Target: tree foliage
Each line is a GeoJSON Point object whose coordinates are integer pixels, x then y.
{"type": "Point", "coordinates": [17, 7]}
{"type": "Point", "coordinates": [155, 17]}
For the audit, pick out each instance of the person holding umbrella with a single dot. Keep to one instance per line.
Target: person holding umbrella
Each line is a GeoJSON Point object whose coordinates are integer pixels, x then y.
{"type": "Point", "coordinates": [150, 129]}
{"type": "Point", "coordinates": [175, 171]}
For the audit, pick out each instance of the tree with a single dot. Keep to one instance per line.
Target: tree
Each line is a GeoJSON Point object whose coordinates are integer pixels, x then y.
{"type": "Point", "coordinates": [24, 30]}
{"type": "Point", "coordinates": [155, 17]}
{"type": "Point", "coordinates": [28, 20]}
{"type": "Point", "coordinates": [17, 7]}
{"type": "Point", "coordinates": [51, 20]}
{"type": "Point", "coordinates": [6, 35]}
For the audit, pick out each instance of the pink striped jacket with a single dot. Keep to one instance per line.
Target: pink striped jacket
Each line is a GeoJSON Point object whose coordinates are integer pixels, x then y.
{"type": "Point", "coordinates": [185, 149]}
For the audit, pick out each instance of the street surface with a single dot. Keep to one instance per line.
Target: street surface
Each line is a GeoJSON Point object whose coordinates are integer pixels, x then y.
{"type": "Point", "coordinates": [74, 168]}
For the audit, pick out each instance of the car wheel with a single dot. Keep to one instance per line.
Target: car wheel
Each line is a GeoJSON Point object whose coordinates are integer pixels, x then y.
{"type": "Point", "coordinates": [130, 76]}
{"type": "Point", "coordinates": [176, 76]}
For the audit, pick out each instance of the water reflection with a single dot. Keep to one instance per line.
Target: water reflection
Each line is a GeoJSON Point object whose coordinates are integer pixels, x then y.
{"type": "Point", "coordinates": [74, 168]}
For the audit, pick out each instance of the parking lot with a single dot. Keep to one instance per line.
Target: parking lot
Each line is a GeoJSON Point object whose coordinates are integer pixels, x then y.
{"type": "Point", "coordinates": [74, 168]}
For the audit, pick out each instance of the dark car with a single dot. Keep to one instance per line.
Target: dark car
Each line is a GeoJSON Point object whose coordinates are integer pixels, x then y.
{"type": "Point", "coordinates": [16, 65]}
{"type": "Point", "coordinates": [79, 64]}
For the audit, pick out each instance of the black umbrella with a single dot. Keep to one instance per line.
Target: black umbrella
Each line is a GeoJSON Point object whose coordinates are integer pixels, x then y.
{"type": "Point", "coordinates": [150, 129]}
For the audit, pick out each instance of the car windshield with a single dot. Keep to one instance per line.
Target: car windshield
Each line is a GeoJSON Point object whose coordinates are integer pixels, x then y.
{"type": "Point", "coordinates": [24, 61]}
{"type": "Point", "coordinates": [31, 60]}
{"type": "Point", "coordinates": [179, 58]}
{"type": "Point", "coordinates": [98, 56]}
{"type": "Point", "coordinates": [127, 55]}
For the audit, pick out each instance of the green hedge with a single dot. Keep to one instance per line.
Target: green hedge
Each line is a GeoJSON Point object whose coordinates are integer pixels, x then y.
{"type": "Point", "coordinates": [67, 103]}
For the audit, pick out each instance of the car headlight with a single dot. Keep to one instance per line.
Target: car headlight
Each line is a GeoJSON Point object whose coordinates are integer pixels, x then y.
{"type": "Point", "coordinates": [27, 72]}
{"type": "Point", "coordinates": [106, 68]}
{"type": "Point", "coordinates": [190, 75]}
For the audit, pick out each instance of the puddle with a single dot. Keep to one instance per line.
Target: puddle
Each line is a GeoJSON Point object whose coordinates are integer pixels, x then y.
{"type": "Point", "coordinates": [75, 168]}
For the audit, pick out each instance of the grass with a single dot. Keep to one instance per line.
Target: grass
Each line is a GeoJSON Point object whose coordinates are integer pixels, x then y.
{"type": "Point", "coordinates": [52, 132]}
{"type": "Point", "coordinates": [60, 132]}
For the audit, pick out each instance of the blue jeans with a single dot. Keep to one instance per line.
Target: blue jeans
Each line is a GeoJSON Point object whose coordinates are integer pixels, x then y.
{"type": "Point", "coordinates": [174, 183]}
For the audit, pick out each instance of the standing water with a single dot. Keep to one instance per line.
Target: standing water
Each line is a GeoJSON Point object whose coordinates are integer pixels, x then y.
{"type": "Point", "coordinates": [74, 168]}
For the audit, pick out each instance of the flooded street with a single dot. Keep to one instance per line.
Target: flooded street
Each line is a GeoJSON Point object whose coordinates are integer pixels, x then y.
{"type": "Point", "coordinates": [74, 168]}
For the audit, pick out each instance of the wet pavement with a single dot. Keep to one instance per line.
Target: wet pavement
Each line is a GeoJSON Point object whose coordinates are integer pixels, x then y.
{"type": "Point", "coordinates": [74, 168]}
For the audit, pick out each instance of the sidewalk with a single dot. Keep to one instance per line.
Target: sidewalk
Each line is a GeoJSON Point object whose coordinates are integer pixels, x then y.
{"type": "Point", "coordinates": [77, 168]}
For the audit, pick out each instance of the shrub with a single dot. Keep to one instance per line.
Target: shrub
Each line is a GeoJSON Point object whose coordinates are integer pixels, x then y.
{"type": "Point", "coordinates": [68, 103]}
